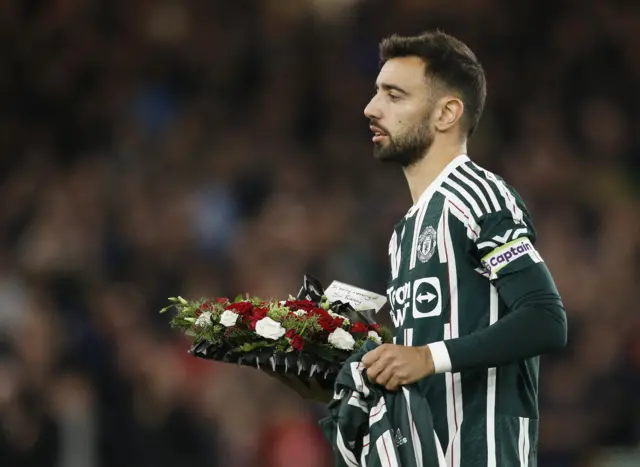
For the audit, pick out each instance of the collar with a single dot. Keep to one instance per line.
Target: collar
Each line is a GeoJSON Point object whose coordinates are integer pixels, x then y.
{"type": "Point", "coordinates": [427, 194]}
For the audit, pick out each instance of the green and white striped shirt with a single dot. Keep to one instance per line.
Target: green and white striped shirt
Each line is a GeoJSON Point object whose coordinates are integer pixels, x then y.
{"type": "Point", "coordinates": [369, 426]}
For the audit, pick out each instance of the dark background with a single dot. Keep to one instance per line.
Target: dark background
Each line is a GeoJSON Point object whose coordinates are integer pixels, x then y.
{"type": "Point", "coordinates": [152, 148]}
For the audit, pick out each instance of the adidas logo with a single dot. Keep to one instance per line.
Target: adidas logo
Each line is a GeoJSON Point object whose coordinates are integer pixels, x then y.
{"type": "Point", "coordinates": [400, 440]}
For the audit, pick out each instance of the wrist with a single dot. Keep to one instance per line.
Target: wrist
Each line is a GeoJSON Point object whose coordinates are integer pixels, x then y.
{"type": "Point", "coordinates": [428, 358]}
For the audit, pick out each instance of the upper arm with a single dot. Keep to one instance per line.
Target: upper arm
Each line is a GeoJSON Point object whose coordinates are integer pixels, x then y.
{"type": "Point", "coordinates": [505, 244]}
{"type": "Point", "coordinates": [499, 232]}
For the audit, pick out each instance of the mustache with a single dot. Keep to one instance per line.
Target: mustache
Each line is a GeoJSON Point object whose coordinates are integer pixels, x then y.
{"type": "Point", "coordinates": [378, 126]}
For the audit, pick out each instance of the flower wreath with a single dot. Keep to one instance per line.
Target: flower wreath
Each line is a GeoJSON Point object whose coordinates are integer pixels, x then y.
{"type": "Point", "coordinates": [307, 335]}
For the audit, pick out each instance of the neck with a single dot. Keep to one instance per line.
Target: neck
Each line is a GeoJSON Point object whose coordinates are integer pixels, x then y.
{"type": "Point", "coordinates": [422, 174]}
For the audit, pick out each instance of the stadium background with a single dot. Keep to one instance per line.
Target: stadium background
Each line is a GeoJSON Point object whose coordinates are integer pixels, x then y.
{"type": "Point", "coordinates": [155, 147]}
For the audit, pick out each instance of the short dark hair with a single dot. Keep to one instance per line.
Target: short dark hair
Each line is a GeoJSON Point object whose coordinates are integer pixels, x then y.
{"type": "Point", "coordinates": [450, 62]}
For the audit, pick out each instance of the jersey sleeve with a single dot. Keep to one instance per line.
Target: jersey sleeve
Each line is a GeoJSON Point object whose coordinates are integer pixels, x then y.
{"type": "Point", "coordinates": [499, 233]}
{"type": "Point", "coordinates": [505, 244]}
{"type": "Point", "coordinates": [502, 237]}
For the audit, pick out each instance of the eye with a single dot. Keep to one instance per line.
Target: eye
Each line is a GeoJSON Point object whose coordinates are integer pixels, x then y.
{"type": "Point", "coordinates": [394, 97]}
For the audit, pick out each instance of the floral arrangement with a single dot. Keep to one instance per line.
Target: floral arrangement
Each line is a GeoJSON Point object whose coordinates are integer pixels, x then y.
{"type": "Point", "coordinates": [307, 334]}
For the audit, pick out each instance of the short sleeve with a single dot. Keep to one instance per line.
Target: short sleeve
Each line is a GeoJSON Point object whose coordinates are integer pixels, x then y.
{"type": "Point", "coordinates": [499, 234]}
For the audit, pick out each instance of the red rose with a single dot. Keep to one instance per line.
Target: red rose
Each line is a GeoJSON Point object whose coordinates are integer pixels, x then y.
{"type": "Point", "coordinates": [222, 300]}
{"type": "Point", "coordinates": [319, 312]}
{"type": "Point", "coordinates": [328, 323]}
{"type": "Point", "coordinates": [206, 306]}
{"type": "Point", "coordinates": [305, 305]}
{"type": "Point", "coordinates": [375, 327]}
{"type": "Point", "coordinates": [290, 333]}
{"type": "Point", "coordinates": [253, 318]}
{"type": "Point", "coordinates": [242, 308]}
{"type": "Point", "coordinates": [260, 312]}
{"type": "Point", "coordinates": [359, 328]}
{"type": "Point", "coordinates": [297, 342]}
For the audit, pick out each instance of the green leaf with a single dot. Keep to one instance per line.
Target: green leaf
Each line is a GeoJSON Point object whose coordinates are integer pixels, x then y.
{"type": "Point", "coordinates": [249, 346]}
{"type": "Point", "coordinates": [386, 335]}
{"type": "Point", "coordinates": [166, 308]}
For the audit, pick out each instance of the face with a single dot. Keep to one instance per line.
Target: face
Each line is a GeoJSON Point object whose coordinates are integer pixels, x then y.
{"type": "Point", "coordinates": [400, 112]}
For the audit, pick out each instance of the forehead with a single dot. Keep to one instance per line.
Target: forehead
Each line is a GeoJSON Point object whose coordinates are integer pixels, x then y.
{"type": "Point", "coordinates": [406, 72]}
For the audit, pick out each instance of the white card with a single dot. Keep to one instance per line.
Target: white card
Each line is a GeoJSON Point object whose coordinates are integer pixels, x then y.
{"type": "Point", "coordinates": [359, 299]}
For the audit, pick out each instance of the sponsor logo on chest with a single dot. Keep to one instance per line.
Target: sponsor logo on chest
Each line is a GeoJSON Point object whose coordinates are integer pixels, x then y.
{"type": "Point", "coordinates": [423, 297]}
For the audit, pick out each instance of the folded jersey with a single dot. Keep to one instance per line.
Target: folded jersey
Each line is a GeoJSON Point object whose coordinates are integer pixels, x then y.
{"type": "Point", "coordinates": [369, 426]}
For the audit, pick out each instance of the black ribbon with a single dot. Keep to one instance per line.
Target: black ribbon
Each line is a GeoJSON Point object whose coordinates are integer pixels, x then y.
{"type": "Point", "coordinates": [312, 290]}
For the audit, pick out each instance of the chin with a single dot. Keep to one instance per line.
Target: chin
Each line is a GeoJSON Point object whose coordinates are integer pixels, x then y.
{"type": "Point", "coordinates": [382, 153]}
{"type": "Point", "coordinates": [404, 159]}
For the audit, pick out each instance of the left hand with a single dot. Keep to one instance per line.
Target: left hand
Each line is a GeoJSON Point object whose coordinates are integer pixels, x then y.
{"type": "Point", "coordinates": [392, 366]}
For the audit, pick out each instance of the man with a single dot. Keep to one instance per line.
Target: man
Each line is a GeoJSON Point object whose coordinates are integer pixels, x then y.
{"type": "Point", "coordinates": [472, 301]}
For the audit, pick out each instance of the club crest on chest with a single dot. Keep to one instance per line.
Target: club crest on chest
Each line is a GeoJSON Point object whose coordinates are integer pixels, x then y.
{"type": "Point", "coordinates": [426, 244]}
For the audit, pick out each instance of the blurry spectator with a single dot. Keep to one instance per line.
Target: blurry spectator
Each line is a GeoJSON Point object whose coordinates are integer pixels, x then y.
{"type": "Point", "coordinates": [212, 148]}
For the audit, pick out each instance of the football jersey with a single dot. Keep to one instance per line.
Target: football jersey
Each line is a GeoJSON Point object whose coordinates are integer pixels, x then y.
{"type": "Point", "coordinates": [465, 231]}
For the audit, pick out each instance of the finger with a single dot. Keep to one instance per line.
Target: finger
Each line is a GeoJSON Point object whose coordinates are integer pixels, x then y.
{"type": "Point", "coordinates": [372, 356]}
{"type": "Point", "coordinates": [392, 384]}
{"type": "Point", "coordinates": [385, 376]}
{"type": "Point", "coordinates": [378, 369]}
{"type": "Point", "coordinates": [374, 371]}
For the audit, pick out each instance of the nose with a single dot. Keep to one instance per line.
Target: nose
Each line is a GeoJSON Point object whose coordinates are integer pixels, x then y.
{"type": "Point", "coordinates": [372, 111]}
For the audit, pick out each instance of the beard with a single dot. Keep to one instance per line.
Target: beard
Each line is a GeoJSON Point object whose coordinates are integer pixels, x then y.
{"type": "Point", "coordinates": [406, 149]}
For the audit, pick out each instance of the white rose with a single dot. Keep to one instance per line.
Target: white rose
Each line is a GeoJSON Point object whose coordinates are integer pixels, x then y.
{"type": "Point", "coordinates": [374, 337]}
{"type": "Point", "coordinates": [269, 328]}
{"type": "Point", "coordinates": [228, 318]}
{"type": "Point", "coordinates": [204, 319]}
{"type": "Point", "coordinates": [299, 312]}
{"type": "Point", "coordinates": [342, 339]}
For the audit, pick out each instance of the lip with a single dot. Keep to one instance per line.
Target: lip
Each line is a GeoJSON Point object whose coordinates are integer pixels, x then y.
{"type": "Point", "coordinates": [378, 134]}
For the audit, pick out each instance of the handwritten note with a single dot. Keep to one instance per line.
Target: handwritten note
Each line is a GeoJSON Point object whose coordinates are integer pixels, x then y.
{"type": "Point", "coordinates": [359, 299]}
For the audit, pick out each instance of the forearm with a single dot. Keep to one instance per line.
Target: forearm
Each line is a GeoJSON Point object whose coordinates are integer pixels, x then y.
{"type": "Point", "coordinates": [535, 324]}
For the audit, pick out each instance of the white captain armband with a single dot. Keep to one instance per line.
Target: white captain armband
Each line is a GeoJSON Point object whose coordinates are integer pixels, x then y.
{"type": "Point", "coordinates": [508, 254]}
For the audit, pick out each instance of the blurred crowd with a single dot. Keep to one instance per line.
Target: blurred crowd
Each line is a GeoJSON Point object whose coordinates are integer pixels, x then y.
{"type": "Point", "coordinates": [152, 148]}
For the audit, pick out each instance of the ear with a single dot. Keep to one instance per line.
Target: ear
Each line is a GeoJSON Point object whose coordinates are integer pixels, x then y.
{"type": "Point", "coordinates": [449, 113]}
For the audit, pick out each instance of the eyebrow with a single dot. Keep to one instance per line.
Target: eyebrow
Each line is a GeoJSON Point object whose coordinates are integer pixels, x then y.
{"type": "Point", "coordinates": [391, 87]}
